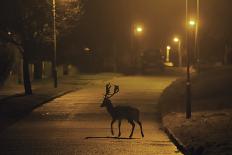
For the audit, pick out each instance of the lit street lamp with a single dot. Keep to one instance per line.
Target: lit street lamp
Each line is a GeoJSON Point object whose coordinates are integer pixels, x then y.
{"type": "Point", "coordinates": [177, 40]}
{"type": "Point", "coordinates": [192, 23]}
{"type": "Point", "coordinates": [139, 29]}
{"type": "Point", "coordinates": [189, 24]}
{"type": "Point", "coordinates": [168, 53]}
{"type": "Point", "coordinates": [135, 31]}
{"type": "Point", "coordinates": [87, 50]}
{"type": "Point", "coordinates": [188, 80]}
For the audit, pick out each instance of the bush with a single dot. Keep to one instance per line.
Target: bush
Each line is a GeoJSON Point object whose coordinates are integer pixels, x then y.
{"type": "Point", "coordinates": [211, 90]}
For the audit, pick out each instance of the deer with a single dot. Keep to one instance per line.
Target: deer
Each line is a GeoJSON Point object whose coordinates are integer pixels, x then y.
{"type": "Point", "coordinates": [120, 113]}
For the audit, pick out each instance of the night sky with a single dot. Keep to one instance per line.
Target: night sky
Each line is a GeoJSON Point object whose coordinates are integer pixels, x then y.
{"type": "Point", "coordinates": [106, 21]}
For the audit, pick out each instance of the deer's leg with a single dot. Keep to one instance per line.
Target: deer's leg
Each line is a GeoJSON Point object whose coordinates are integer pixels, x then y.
{"type": "Point", "coordinates": [141, 127]}
{"type": "Point", "coordinates": [112, 122]}
{"type": "Point", "coordinates": [119, 128]}
{"type": "Point", "coordinates": [133, 127]}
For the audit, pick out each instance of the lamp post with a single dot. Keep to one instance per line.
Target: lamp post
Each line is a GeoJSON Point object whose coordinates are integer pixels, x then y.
{"type": "Point", "coordinates": [137, 31]}
{"type": "Point", "coordinates": [168, 53]}
{"type": "Point", "coordinates": [54, 66]}
{"type": "Point", "coordinates": [177, 40]}
{"type": "Point", "coordinates": [197, 56]}
{"type": "Point", "coordinates": [190, 24]}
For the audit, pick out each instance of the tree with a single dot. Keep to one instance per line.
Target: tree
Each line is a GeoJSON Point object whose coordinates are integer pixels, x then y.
{"type": "Point", "coordinates": [7, 58]}
{"type": "Point", "coordinates": [30, 22]}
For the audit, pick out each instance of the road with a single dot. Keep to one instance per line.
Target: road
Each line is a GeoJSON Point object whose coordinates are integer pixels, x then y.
{"type": "Point", "coordinates": [75, 123]}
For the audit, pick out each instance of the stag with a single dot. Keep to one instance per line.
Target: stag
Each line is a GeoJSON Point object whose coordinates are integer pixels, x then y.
{"type": "Point", "coordinates": [120, 112]}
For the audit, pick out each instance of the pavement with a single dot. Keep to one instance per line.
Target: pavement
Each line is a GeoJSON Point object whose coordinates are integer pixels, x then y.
{"type": "Point", "coordinates": [75, 124]}
{"type": "Point", "coordinates": [14, 105]}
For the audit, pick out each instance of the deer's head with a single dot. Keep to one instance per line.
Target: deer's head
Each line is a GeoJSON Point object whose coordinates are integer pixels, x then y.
{"type": "Point", "coordinates": [108, 95]}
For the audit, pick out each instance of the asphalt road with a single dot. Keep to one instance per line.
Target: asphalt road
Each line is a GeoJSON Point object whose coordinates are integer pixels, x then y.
{"type": "Point", "coordinates": [75, 123]}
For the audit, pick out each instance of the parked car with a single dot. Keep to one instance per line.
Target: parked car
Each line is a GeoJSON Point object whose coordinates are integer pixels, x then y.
{"type": "Point", "coordinates": [152, 61]}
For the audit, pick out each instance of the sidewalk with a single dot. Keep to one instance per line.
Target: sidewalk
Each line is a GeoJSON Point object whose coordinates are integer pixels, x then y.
{"type": "Point", "coordinates": [14, 104]}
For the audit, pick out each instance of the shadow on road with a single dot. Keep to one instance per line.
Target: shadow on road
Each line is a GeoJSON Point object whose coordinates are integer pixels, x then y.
{"type": "Point", "coordinates": [107, 137]}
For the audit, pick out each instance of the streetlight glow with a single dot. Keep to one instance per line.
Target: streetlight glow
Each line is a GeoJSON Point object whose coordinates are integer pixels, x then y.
{"type": "Point", "coordinates": [168, 47]}
{"type": "Point", "coordinates": [176, 39]}
{"type": "Point", "coordinates": [86, 49]}
{"type": "Point", "coordinates": [192, 23]}
{"type": "Point", "coordinates": [139, 29]}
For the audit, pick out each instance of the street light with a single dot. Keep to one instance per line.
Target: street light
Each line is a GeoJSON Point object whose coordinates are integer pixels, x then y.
{"type": "Point", "coordinates": [136, 32]}
{"type": "Point", "coordinates": [139, 29]}
{"type": "Point", "coordinates": [168, 53]}
{"type": "Point", "coordinates": [177, 40]}
{"type": "Point", "coordinates": [86, 49]}
{"type": "Point", "coordinates": [197, 33]}
{"type": "Point", "coordinates": [54, 66]}
{"type": "Point", "coordinates": [188, 82]}
{"type": "Point", "coordinates": [192, 23]}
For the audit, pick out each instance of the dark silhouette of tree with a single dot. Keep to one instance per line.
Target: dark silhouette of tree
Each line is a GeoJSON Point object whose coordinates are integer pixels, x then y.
{"type": "Point", "coordinates": [30, 26]}
{"type": "Point", "coordinates": [26, 20]}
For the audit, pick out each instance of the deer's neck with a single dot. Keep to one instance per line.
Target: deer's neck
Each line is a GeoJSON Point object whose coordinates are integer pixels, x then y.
{"type": "Point", "coordinates": [110, 109]}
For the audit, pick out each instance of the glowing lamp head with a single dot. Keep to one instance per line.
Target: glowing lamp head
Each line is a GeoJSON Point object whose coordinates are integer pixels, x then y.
{"type": "Point", "coordinates": [192, 23]}
{"type": "Point", "coordinates": [168, 47]}
{"type": "Point", "coordinates": [87, 49]}
{"type": "Point", "coordinates": [176, 39]}
{"type": "Point", "coordinates": [139, 29]}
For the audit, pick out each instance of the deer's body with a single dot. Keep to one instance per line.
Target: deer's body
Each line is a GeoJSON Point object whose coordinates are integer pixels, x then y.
{"type": "Point", "coordinates": [122, 112]}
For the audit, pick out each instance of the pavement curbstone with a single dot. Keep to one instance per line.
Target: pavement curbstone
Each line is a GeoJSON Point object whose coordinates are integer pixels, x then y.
{"type": "Point", "coordinates": [53, 97]}
{"type": "Point", "coordinates": [180, 146]}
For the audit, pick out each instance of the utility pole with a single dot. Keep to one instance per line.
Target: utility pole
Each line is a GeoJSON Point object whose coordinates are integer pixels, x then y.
{"type": "Point", "coordinates": [54, 66]}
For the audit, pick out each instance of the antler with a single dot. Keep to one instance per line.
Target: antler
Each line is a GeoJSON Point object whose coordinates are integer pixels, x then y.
{"type": "Point", "coordinates": [108, 86]}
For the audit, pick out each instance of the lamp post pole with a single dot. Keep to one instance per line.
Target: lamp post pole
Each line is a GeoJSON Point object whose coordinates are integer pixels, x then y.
{"type": "Point", "coordinates": [188, 80]}
{"type": "Point", "coordinates": [179, 53]}
{"type": "Point", "coordinates": [197, 34]}
{"type": "Point", "coordinates": [54, 65]}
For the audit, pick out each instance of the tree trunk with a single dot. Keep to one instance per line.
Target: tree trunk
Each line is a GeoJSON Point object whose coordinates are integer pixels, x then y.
{"type": "Point", "coordinates": [26, 77]}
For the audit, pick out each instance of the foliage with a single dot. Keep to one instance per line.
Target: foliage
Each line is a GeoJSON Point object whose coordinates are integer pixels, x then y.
{"type": "Point", "coordinates": [32, 22]}
{"type": "Point", "coordinates": [68, 16]}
